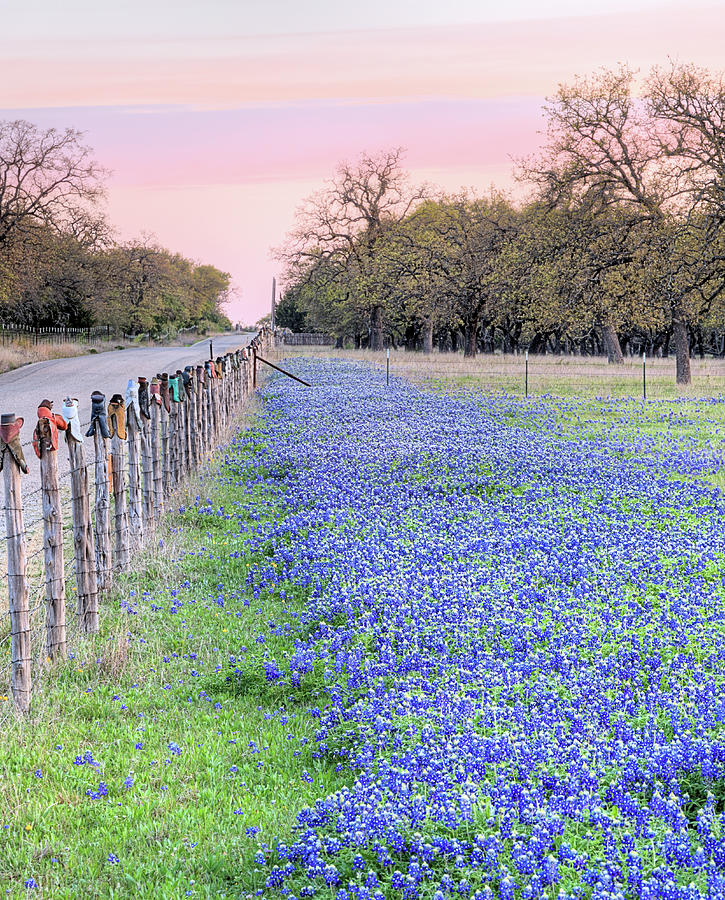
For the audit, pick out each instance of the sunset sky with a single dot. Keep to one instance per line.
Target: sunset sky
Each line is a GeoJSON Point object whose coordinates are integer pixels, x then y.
{"type": "Point", "coordinates": [217, 117]}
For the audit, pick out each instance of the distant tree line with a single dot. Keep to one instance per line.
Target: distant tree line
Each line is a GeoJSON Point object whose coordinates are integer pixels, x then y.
{"type": "Point", "coordinates": [59, 263]}
{"type": "Point", "coordinates": [619, 247]}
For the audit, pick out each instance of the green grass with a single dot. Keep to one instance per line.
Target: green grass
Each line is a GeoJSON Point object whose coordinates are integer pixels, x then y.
{"type": "Point", "coordinates": [163, 681]}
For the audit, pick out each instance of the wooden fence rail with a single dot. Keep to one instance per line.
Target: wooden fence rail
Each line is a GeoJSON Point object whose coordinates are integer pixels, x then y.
{"type": "Point", "coordinates": [167, 424]}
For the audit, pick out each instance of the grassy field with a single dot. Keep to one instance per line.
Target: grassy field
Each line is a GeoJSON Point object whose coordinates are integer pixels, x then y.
{"type": "Point", "coordinates": [226, 691]}
{"type": "Point", "coordinates": [563, 376]}
{"type": "Point", "coordinates": [140, 772]}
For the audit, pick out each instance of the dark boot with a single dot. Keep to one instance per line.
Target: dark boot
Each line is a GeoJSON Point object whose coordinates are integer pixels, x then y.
{"type": "Point", "coordinates": [143, 398]}
{"type": "Point", "coordinates": [188, 380]}
{"type": "Point", "coordinates": [98, 415]}
{"type": "Point", "coordinates": [164, 389]}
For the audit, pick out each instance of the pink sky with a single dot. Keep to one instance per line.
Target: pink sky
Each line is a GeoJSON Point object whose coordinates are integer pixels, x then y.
{"type": "Point", "coordinates": [215, 134]}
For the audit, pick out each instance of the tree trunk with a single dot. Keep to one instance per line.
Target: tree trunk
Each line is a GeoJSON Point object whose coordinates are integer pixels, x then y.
{"type": "Point", "coordinates": [376, 328]}
{"type": "Point", "coordinates": [611, 344]}
{"type": "Point", "coordinates": [470, 347]}
{"type": "Point", "coordinates": [681, 341]}
{"type": "Point", "coordinates": [428, 337]}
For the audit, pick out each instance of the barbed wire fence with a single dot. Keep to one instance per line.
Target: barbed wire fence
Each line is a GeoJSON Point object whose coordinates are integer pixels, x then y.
{"type": "Point", "coordinates": [189, 413]}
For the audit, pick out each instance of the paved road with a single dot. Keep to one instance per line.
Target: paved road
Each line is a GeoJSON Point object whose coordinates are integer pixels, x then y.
{"type": "Point", "coordinates": [22, 389]}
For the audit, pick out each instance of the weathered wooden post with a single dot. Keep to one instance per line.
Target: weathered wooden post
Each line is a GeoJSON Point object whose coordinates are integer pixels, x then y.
{"type": "Point", "coordinates": [83, 542]}
{"type": "Point", "coordinates": [135, 496]}
{"type": "Point", "coordinates": [202, 420]}
{"type": "Point", "coordinates": [117, 424]}
{"type": "Point", "coordinates": [12, 461]}
{"type": "Point", "coordinates": [156, 405]}
{"type": "Point", "coordinates": [173, 435]}
{"type": "Point", "coordinates": [98, 430]}
{"type": "Point", "coordinates": [184, 454]}
{"type": "Point", "coordinates": [209, 408]}
{"type": "Point", "coordinates": [144, 407]}
{"type": "Point", "coordinates": [45, 444]}
{"type": "Point", "coordinates": [164, 412]}
{"type": "Point", "coordinates": [221, 395]}
{"type": "Point", "coordinates": [189, 432]}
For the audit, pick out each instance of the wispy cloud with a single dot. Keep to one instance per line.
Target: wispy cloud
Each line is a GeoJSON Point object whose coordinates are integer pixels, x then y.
{"type": "Point", "coordinates": [473, 61]}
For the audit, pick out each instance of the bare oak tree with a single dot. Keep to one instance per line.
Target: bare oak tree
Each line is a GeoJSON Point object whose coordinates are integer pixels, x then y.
{"type": "Point", "coordinates": [343, 224]}
{"type": "Point", "coordinates": [47, 178]}
{"type": "Point", "coordinates": [603, 152]}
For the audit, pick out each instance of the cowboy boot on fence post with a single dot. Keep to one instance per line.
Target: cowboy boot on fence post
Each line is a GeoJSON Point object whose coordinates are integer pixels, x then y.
{"type": "Point", "coordinates": [45, 444]}
{"type": "Point", "coordinates": [143, 398]}
{"type": "Point", "coordinates": [135, 467]}
{"type": "Point", "coordinates": [102, 525]}
{"type": "Point", "coordinates": [164, 389]}
{"type": "Point", "coordinates": [70, 414]}
{"type": "Point", "coordinates": [132, 402]}
{"type": "Point", "coordinates": [10, 440]}
{"type": "Point", "coordinates": [46, 438]}
{"type": "Point", "coordinates": [156, 407]}
{"type": "Point", "coordinates": [117, 416]}
{"type": "Point", "coordinates": [147, 465]}
{"type": "Point", "coordinates": [17, 595]}
{"type": "Point", "coordinates": [98, 415]}
{"type": "Point", "coordinates": [173, 437]}
{"type": "Point", "coordinates": [83, 538]}
{"type": "Point", "coordinates": [200, 420]}
{"type": "Point", "coordinates": [166, 426]}
{"type": "Point", "coordinates": [188, 381]}
{"type": "Point", "coordinates": [181, 422]}
{"type": "Point", "coordinates": [117, 422]}
{"type": "Point", "coordinates": [189, 384]}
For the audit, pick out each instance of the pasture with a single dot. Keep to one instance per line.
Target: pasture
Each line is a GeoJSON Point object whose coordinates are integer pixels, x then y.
{"type": "Point", "coordinates": [428, 639]}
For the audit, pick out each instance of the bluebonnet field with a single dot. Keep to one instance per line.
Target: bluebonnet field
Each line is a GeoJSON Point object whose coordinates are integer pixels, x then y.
{"type": "Point", "coordinates": [406, 644]}
{"type": "Point", "coordinates": [512, 638]}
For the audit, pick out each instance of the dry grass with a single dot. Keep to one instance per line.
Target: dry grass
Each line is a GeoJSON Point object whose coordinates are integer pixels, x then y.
{"type": "Point", "coordinates": [567, 376]}
{"type": "Point", "coordinates": [20, 353]}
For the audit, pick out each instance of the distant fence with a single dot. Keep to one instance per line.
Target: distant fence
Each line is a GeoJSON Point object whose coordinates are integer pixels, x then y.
{"type": "Point", "coordinates": [96, 334]}
{"type": "Point", "coordinates": [158, 432]}
{"type": "Point", "coordinates": [58, 334]}
{"type": "Point", "coordinates": [300, 339]}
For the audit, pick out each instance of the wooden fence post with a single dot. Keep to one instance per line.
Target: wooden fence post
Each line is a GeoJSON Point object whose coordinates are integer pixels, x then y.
{"type": "Point", "coordinates": [83, 543]}
{"type": "Point", "coordinates": [201, 408]}
{"type": "Point", "coordinates": [209, 422]}
{"type": "Point", "coordinates": [147, 461]}
{"type": "Point", "coordinates": [45, 442]}
{"type": "Point", "coordinates": [156, 405]}
{"type": "Point", "coordinates": [135, 497]}
{"type": "Point", "coordinates": [117, 421]}
{"type": "Point", "coordinates": [102, 524]}
{"type": "Point", "coordinates": [13, 462]}
{"type": "Point", "coordinates": [164, 412]}
{"type": "Point", "coordinates": [188, 416]}
{"type": "Point", "coordinates": [189, 421]}
{"type": "Point", "coordinates": [173, 446]}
